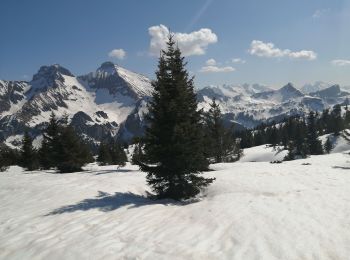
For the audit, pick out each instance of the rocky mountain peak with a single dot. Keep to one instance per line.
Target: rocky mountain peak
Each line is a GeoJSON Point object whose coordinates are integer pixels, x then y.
{"type": "Point", "coordinates": [289, 91]}
{"type": "Point", "coordinates": [51, 72]}
{"type": "Point", "coordinates": [108, 68]}
{"type": "Point", "coordinates": [330, 92]}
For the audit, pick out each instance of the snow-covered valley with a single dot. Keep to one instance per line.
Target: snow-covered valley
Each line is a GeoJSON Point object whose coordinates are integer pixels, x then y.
{"type": "Point", "coordinates": [254, 210]}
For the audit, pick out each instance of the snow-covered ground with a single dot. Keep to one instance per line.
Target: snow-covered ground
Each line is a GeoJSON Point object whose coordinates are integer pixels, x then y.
{"type": "Point", "coordinates": [254, 210]}
{"type": "Point", "coordinates": [263, 153]}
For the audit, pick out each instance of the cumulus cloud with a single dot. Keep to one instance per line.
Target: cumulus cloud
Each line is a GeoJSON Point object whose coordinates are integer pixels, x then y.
{"type": "Point", "coordinates": [210, 62]}
{"type": "Point", "coordinates": [303, 55]}
{"type": "Point", "coordinates": [215, 69]}
{"type": "Point", "coordinates": [117, 54]}
{"type": "Point", "coordinates": [340, 63]}
{"type": "Point", "coordinates": [194, 43]}
{"type": "Point", "coordinates": [262, 49]}
{"type": "Point", "coordinates": [238, 60]}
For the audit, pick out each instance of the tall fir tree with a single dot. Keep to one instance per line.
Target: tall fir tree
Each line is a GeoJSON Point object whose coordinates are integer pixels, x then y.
{"type": "Point", "coordinates": [300, 138]}
{"type": "Point", "coordinates": [215, 132]}
{"type": "Point", "coordinates": [173, 141]}
{"type": "Point", "coordinates": [29, 159]}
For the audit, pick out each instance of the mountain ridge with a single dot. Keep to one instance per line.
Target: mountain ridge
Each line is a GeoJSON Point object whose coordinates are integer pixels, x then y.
{"type": "Point", "coordinates": [110, 102]}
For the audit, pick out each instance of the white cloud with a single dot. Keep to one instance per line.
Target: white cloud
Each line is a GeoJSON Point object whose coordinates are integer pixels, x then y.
{"type": "Point", "coordinates": [117, 54]}
{"type": "Point", "coordinates": [210, 62]}
{"type": "Point", "coordinates": [194, 43]}
{"type": "Point", "coordinates": [303, 55]}
{"type": "Point", "coordinates": [215, 69]}
{"type": "Point", "coordinates": [238, 60]}
{"type": "Point", "coordinates": [262, 49]}
{"type": "Point", "coordinates": [320, 12]}
{"type": "Point", "coordinates": [340, 62]}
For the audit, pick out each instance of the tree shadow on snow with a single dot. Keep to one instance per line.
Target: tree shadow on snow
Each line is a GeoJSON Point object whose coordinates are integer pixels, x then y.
{"type": "Point", "coordinates": [110, 171]}
{"type": "Point", "coordinates": [341, 167]}
{"type": "Point", "coordinates": [106, 202]}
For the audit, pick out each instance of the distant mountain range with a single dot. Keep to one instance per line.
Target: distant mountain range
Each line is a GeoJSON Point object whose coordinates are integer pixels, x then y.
{"type": "Point", "coordinates": [249, 105]}
{"type": "Point", "coordinates": [112, 101]}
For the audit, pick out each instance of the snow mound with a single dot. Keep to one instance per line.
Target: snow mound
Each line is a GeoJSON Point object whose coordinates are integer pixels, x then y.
{"type": "Point", "coordinates": [263, 153]}
{"type": "Point", "coordinates": [339, 143]}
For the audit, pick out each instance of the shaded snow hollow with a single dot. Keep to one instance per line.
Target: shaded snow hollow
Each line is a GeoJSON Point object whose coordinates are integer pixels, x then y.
{"type": "Point", "coordinates": [254, 210]}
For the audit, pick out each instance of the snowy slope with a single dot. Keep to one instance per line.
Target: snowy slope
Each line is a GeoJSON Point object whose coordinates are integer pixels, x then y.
{"type": "Point", "coordinates": [263, 153]}
{"type": "Point", "coordinates": [254, 210]}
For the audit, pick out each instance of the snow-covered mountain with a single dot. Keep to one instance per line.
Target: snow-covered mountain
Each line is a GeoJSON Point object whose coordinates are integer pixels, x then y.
{"type": "Point", "coordinates": [313, 87]}
{"type": "Point", "coordinates": [251, 109]}
{"type": "Point", "coordinates": [96, 103]}
{"type": "Point", "coordinates": [112, 101]}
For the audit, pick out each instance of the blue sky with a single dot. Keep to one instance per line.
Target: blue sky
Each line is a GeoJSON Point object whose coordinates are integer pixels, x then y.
{"type": "Point", "coordinates": [226, 41]}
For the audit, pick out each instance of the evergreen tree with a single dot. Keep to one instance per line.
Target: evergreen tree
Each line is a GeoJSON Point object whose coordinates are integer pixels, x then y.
{"type": "Point", "coordinates": [8, 157]}
{"type": "Point", "coordinates": [173, 141]}
{"type": "Point", "coordinates": [5, 159]}
{"type": "Point", "coordinates": [118, 155]}
{"type": "Point", "coordinates": [328, 146]}
{"type": "Point", "coordinates": [291, 151]}
{"type": "Point", "coordinates": [300, 138]}
{"type": "Point", "coordinates": [72, 151]}
{"type": "Point", "coordinates": [28, 153]}
{"type": "Point", "coordinates": [259, 137]}
{"type": "Point", "coordinates": [138, 155]}
{"type": "Point", "coordinates": [4, 163]}
{"type": "Point", "coordinates": [347, 118]}
{"type": "Point", "coordinates": [49, 151]}
{"type": "Point", "coordinates": [246, 139]}
{"type": "Point", "coordinates": [104, 156]}
{"type": "Point", "coordinates": [315, 145]}
{"type": "Point", "coordinates": [112, 154]}
{"type": "Point", "coordinates": [272, 136]}
{"type": "Point", "coordinates": [337, 120]}
{"type": "Point", "coordinates": [326, 121]}
{"type": "Point", "coordinates": [220, 142]}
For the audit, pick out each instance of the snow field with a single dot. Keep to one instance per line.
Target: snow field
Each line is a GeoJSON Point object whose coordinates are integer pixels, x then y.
{"type": "Point", "coordinates": [254, 210]}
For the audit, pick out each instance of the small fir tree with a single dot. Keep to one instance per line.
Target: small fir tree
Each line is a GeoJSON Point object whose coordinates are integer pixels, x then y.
{"type": "Point", "coordinates": [291, 152]}
{"type": "Point", "coordinates": [104, 156]}
{"type": "Point", "coordinates": [328, 146]}
{"type": "Point", "coordinates": [118, 155]}
{"type": "Point", "coordinates": [337, 120]}
{"type": "Point", "coordinates": [49, 150]}
{"type": "Point", "coordinates": [28, 153]}
{"type": "Point", "coordinates": [138, 155]}
{"type": "Point", "coordinates": [315, 145]}
{"type": "Point", "coordinates": [72, 154]}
